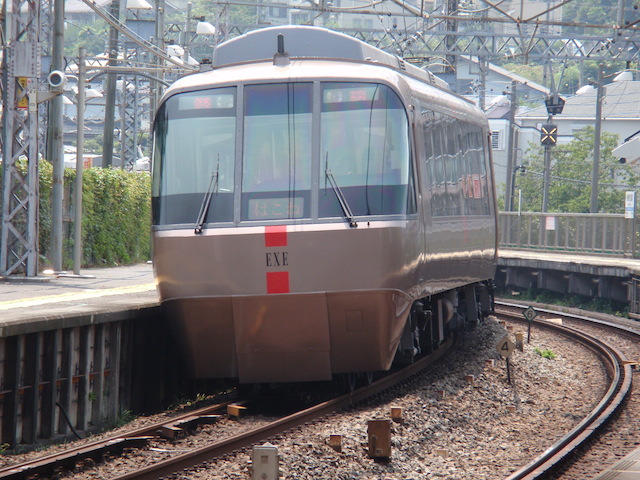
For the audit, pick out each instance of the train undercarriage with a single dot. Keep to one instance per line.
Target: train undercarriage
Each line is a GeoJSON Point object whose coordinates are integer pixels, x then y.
{"type": "Point", "coordinates": [433, 319]}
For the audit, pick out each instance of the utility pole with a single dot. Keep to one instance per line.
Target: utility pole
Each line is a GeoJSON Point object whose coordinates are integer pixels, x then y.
{"type": "Point", "coordinates": [596, 144]}
{"type": "Point", "coordinates": [55, 153]}
{"type": "Point", "coordinates": [545, 178]}
{"type": "Point", "coordinates": [185, 35]}
{"type": "Point", "coordinates": [110, 98]}
{"type": "Point", "coordinates": [450, 40]}
{"type": "Point", "coordinates": [508, 201]}
{"type": "Point", "coordinates": [80, 106]}
{"type": "Point", "coordinates": [620, 19]}
{"type": "Point", "coordinates": [159, 39]}
{"type": "Point", "coordinates": [482, 89]}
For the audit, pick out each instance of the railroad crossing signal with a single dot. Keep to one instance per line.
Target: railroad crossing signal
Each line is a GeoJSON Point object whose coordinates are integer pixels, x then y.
{"type": "Point", "coordinates": [549, 134]}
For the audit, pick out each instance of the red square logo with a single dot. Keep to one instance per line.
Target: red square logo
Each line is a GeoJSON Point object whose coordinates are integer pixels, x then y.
{"type": "Point", "coordinates": [277, 282]}
{"type": "Point", "coordinates": [275, 236]}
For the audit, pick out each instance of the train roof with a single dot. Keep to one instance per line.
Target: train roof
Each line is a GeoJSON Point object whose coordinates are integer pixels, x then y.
{"type": "Point", "coordinates": [311, 42]}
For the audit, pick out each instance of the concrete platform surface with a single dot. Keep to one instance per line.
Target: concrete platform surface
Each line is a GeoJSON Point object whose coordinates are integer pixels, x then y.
{"type": "Point", "coordinates": [631, 264]}
{"type": "Point", "coordinates": [97, 290]}
{"type": "Point", "coordinates": [626, 469]}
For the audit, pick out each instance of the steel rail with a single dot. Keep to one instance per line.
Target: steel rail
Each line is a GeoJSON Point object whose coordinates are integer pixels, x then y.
{"type": "Point", "coordinates": [619, 388]}
{"type": "Point", "coordinates": [46, 466]}
{"type": "Point", "coordinates": [200, 455]}
{"type": "Point", "coordinates": [137, 438]}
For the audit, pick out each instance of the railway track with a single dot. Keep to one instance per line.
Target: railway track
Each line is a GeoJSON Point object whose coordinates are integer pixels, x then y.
{"type": "Point", "coordinates": [545, 465]}
{"type": "Point", "coordinates": [67, 460]}
{"type": "Point", "coordinates": [97, 450]}
{"type": "Point", "coordinates": [561, 453]}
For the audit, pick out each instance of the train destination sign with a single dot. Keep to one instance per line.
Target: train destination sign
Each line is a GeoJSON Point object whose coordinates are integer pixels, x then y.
{"type": "Point", "coordinates": [275, 208]}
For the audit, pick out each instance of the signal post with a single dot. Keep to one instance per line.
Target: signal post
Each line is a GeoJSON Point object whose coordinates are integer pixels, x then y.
{"type": "Point", "coordinates": [549, 138]}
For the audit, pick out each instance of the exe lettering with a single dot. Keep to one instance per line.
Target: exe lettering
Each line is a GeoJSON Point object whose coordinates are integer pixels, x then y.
{"type": "Point", "coordinates": [277, 259]}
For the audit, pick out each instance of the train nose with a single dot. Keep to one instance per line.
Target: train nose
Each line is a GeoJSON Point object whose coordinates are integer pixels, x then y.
{"type": "Point", "coordinates": [272, 346]}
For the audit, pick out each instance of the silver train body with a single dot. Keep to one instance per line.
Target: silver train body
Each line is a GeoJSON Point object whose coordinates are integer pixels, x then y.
{"type": "Point", "coordinates": [319, 207]}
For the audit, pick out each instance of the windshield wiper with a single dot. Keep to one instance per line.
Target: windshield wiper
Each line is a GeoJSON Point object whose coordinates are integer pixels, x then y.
{"type": "Point", "coordinates": [206, 201]}
{"type": "Point", "coordinates": [340, 196]}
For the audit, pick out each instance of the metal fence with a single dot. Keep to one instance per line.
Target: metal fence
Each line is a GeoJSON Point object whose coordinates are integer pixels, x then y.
{"type": "Point", "coordinates": [606, 234]}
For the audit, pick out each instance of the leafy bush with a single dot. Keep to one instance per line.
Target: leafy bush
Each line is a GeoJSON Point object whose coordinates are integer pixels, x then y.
{"type": "Point", "coordinates": [116, 216]}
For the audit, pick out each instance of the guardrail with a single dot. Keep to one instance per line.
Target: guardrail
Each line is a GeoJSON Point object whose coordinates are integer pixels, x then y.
{"type": "Point", "coordinates": [605, 234]}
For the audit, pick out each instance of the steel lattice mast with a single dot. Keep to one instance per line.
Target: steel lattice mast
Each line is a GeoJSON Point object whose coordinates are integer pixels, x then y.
{"type": "Point", "coordinates": [20, 73]}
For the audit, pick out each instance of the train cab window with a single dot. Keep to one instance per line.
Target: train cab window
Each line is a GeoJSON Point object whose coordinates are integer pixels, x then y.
{"type": "Point", "coordinates": [194, 152]}
{"type": "Point", "coordinates": [276, 167]}
{"type": "Point", "coordinates": [364, 151]}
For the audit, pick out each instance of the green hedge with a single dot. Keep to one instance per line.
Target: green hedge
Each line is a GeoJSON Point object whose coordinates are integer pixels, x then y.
{"type": "Point", "coordinates": [116, 217]}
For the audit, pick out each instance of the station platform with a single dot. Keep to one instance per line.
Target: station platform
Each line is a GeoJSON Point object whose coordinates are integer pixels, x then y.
{"type": "Point", "coordinates": [578, 262]}
{"type": "Point", "coordinates": [49, 301]}
{"type": "Point", "coordinates": [596, 276]}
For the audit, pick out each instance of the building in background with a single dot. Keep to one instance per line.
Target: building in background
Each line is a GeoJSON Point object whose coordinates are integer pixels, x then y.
{"type": "Point", "coordinates": [620, 112]}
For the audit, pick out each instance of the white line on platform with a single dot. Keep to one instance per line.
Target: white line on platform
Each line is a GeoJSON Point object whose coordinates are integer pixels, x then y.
{"type": "Point", "coordinates": [73, 296]}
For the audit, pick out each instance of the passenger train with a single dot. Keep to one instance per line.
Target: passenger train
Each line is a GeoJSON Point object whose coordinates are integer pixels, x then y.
{"type": "Point", "coordinates": [320, 207]}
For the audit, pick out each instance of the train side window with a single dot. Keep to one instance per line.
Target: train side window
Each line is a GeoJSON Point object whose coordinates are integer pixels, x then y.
{"type": "Point", "coordinates": [467, 170]}
{"type": "Point", "coordinates": [455, 177]}
{"type": "Point", "coordinates": [477, 198]}
{"type": "Point", "coordinates": [439, 193]}
{"type": "Point", "coordinates": [427, 118]}
{"type": "Point", "coordinates": [482, 158]}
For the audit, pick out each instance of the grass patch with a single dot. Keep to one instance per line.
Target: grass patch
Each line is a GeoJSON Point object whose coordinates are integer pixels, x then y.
{"type": "Point", "coordinates": [548, 354]}
{"type": "Point", "coordinates": [601, 305]}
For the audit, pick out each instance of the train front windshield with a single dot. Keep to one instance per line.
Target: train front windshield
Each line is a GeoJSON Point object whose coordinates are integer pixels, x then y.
{"type": "Point", "coordinates": [286, 151]}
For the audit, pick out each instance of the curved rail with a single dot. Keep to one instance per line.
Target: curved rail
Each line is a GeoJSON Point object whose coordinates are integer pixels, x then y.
{"type": "Point", "coordinates": [222, 447]}
{"type": "Point", "coordinates": [619, 388]}
{"type": "Point", "coordinates": [47, 465]}
{"type": "Point", "coordinates": [138, 438]}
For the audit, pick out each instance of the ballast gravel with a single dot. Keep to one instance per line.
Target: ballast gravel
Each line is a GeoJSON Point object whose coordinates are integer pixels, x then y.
{"type": "Point", "coordinates": [453, 426]}
{"type": "Point", "coordinates": [464, 418]}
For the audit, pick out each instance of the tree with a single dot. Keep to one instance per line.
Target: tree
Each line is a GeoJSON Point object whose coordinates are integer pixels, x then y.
{"type": "Point", "coordinates": [237, 14]}
{"type": "Point", "coordinates": [570, 179]}
{"type": "Point", "coordinates": [594, 12]}
{"type": "Point", "coordinates": [88, 34]}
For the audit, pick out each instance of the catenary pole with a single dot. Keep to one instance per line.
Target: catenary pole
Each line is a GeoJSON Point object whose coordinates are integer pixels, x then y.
{"type": "Point", "coordinates": [80, 105]}
{"type": "Point", "coordinates": [110, 90]}
{"type": "Point", "coordinates": [55, 153]}
{"type": "Point", "coordinates": [596, 144]}
{"type": "Point", "coordinates": [511, 161]}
